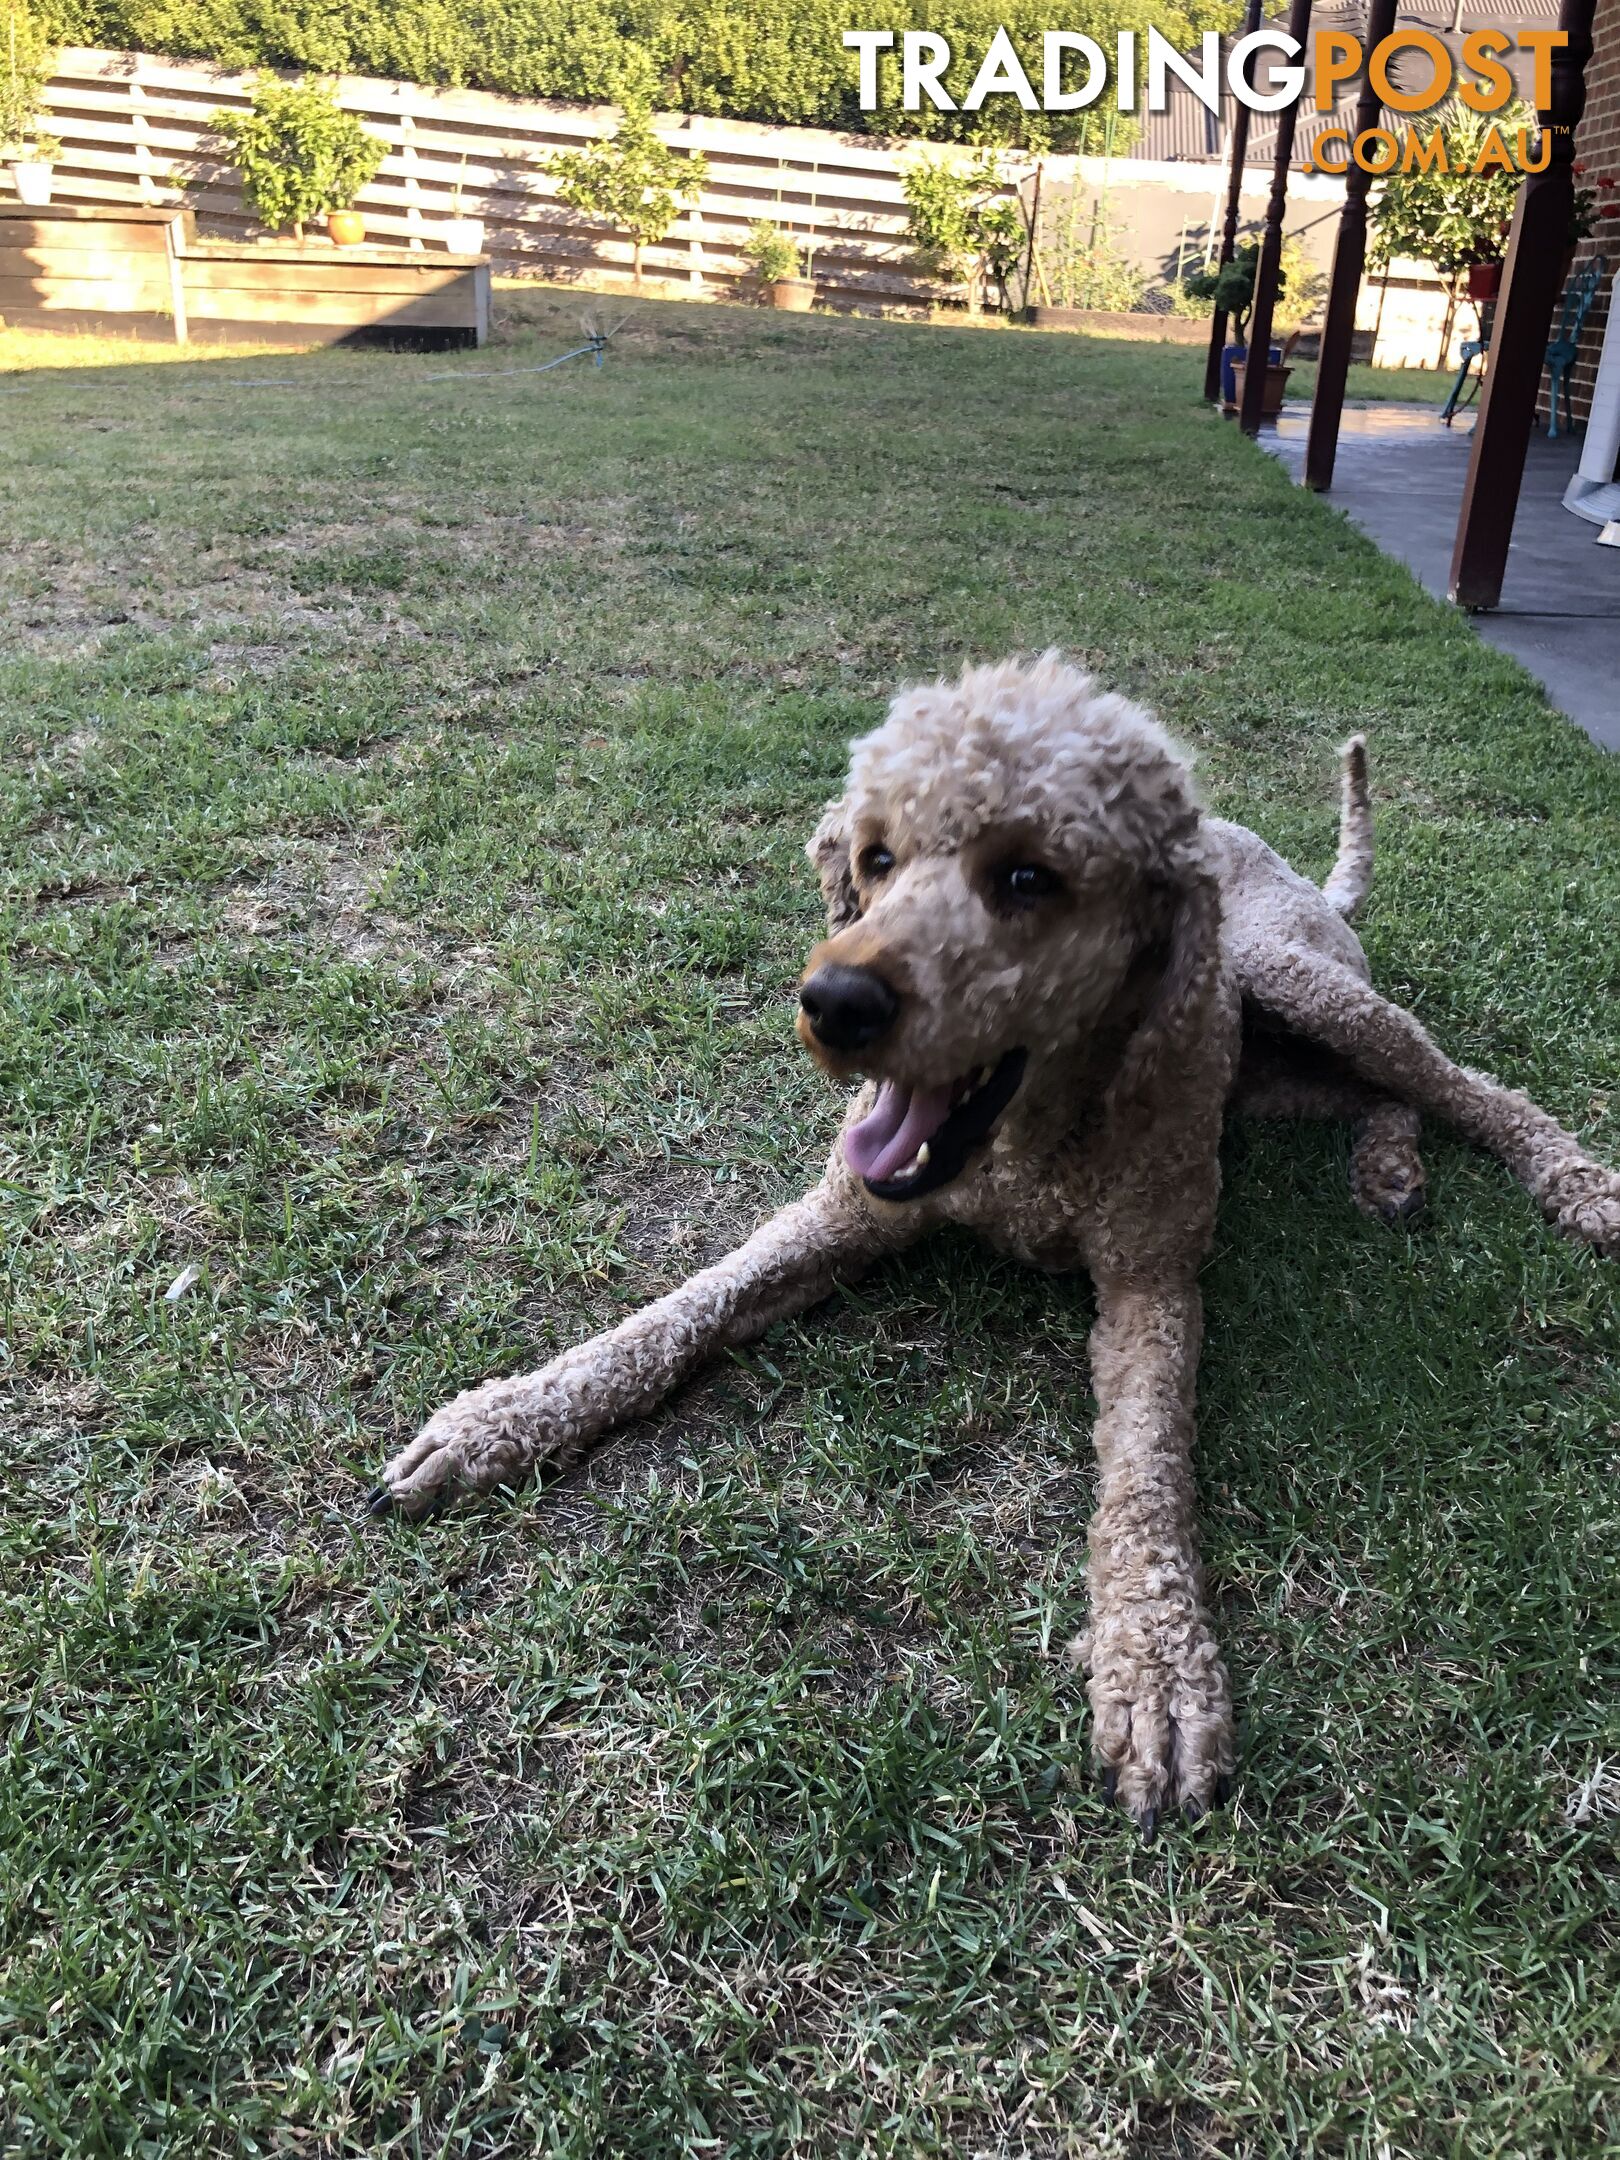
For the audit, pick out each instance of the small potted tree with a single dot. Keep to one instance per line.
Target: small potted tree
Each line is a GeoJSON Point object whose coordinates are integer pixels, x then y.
{"type": "Point", "coordinates": [774, 259]}
{"type": "Point", "coordinates": [631, 179]}
{"type": "Point", "coordinates": [26, 60]}
{"type": "Point", "coordinates": [1229, 287]}
{"type": "Point", "coordinates": [301, 156]}
{"type": "Point", "coordinates": [461, 234]}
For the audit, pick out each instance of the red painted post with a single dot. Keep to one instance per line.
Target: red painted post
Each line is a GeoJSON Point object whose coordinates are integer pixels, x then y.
{"type": "Point", "coordinates": [1531, 278]}
{"type": "Point", "coordinates": [1265, 274]}
{"type": "Point", "coordinates": [1349, 260]}
{"type": "Point", "coordinates": [1239, 150]}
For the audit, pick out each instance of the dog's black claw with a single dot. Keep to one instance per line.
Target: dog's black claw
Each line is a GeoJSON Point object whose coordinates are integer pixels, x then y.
{"type": "Point", "coordinates": [379, 1501]}
{"type": "Point", "coordinates": [1150, 1823]}
{"type": "Point", "coordinates": [1410, 1207]}
{"type": "Point", "coordinates": [1193, 1812]}
{"type": "Point", "coordinates": [1223, 1791]}
{"type": "Point", "coordinates": [1110, 1785]}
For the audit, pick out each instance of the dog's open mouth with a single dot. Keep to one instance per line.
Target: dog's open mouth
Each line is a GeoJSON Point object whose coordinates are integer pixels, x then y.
{"type": "Point", "coordinates": [913, 1140]}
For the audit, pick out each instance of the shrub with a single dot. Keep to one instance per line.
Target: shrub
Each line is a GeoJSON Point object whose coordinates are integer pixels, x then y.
{"type": "Point", "coordinates": [27, 58]}
{"type": "Point", "coordinates": [769, 252]}
{"type": "Point", "coordinates": [631, 179]}
{"type": "Point", "coordinates": [775, 60]}
{"type": "Point", "coordinates": [1449, 219]}
{"type": "Point", "coordinates": [299, 153]}
{"type": "Point", "coordinates": [962, 227]}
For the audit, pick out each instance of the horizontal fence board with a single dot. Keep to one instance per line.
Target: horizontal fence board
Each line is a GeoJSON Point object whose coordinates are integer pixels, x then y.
{"type": "Point", "coordinates": [296, 304]}
{"type": "Point", "coordinates": [242, 272]}
{"type": "Point", "coordinates": [87, 241]}
{"type": "Point", "coordinates": [82, 263]}
{"type": "Point", "coordinates": [111, 295]}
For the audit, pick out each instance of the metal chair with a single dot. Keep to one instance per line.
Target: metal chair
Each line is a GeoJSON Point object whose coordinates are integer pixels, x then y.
{"type": "Point", "coordinates": [1579, 294]}
{"type": "Point", "coordinates": [1473, 349]}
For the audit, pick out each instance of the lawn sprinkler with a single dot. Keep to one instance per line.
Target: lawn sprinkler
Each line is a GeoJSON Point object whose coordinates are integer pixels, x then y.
{"type": "Point", "coordinates": [597, 338]}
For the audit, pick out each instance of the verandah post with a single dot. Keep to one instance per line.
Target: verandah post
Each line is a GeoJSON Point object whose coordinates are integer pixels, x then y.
{"type": "Point", "coordinates": [1267, 268]}
{"type": "Point", "coordinates": [1531, 277]}
{"type": "Point", "coordinates": [1349, 261]}
{"type": "Point", "coordinates": [1238, 151]}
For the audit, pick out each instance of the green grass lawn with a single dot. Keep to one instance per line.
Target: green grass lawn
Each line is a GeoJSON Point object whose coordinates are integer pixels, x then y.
{"type": "Point", "coordinates": [1377, 386]}
{"type": "Point", "coordinates": [404, 784]}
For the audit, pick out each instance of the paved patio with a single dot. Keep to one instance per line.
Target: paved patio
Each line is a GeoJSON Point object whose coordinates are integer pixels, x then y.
{"type": "Point", "coordinates": [1399, 476]}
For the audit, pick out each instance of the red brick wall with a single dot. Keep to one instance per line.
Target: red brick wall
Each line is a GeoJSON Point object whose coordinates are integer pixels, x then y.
{"type": "Point", "coordinates": [1597, 148]}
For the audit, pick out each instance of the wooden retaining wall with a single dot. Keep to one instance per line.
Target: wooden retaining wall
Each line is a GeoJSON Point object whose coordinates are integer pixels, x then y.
{"type": "Point", "coordinates": [80, 266]}
{"type": "Point", "coordinates": [144, 271]}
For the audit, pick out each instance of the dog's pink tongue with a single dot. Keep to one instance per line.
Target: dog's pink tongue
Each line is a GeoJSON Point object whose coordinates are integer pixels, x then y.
{"type": "Point", "coordinates": [894, 1129]}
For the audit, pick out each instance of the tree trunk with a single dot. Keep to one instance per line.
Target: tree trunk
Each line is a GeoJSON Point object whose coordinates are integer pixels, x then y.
{"type": "Point", "coordinates": [635, 263]}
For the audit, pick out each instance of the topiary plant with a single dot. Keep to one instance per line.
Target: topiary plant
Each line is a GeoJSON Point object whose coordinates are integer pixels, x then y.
{"type": "Point", "coordinates": [770, 253]}
{"type": "Point", "coordinates": [299, 153]}
{"type": "Point", "coordinates": [1229, 286]}
{"type": "Point", "coordinates": [631, 179]}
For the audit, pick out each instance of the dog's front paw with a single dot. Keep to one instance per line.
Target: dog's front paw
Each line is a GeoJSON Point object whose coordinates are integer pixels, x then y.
{"type": "Point", "coordinates": [475, 1441]}
{"type": "Point", "coordinates": [1162, 1711]}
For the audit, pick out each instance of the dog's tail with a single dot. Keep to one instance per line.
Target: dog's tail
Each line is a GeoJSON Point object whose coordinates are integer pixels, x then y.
{"type": "Point", "coordinates": [1351, 875]}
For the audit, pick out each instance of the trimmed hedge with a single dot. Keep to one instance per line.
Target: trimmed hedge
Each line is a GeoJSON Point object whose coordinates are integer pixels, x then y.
{"type": "Point", "coordinates": [781, 61]}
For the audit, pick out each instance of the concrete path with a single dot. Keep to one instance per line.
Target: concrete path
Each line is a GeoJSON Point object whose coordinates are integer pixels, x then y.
{"type": "Point", "coordinates": [1399, 476]}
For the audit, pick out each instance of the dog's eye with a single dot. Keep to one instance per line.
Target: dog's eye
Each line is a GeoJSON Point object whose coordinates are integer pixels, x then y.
{"type": "Point", "coordinates": [876, 862]}
{"type": "Point", "coordinates": [1022, 884]}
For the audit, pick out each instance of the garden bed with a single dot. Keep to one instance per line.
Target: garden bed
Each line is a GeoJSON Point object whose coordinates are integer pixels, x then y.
{"type": "Point", "coordinates": [317, 294]}
{"type": "Point", "coordinates": [144, 271]}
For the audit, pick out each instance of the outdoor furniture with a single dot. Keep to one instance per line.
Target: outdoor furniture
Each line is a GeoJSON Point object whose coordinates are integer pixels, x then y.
{"type": "Point", "coordinates": [1578, 297]}
{"type": "Point", "coordinates": [1579, 294]}
{"type": "Point", "coordinates": [1473, 349]}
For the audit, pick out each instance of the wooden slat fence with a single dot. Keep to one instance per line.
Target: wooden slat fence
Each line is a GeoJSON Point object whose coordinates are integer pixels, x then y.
{"type": "Point", "coordinates": [130, 123]}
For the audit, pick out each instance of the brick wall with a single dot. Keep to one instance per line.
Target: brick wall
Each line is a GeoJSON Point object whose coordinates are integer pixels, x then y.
{"type": "Point", "coordinates": [1597, 147]}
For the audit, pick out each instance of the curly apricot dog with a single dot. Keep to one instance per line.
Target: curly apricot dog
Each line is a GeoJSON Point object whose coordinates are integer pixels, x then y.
{"type": "Point", "coordinates": [1056, 974]}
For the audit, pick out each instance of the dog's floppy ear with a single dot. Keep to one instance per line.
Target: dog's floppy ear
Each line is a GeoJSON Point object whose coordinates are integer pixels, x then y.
{"type": "Point", "coordinates": [1179, 1008]}
{"type": "Point", "coordinates": [829, 851]}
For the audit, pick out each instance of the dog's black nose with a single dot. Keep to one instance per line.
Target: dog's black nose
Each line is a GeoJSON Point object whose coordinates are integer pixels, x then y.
{"type": "Point", "coordinates": [848, 1007]}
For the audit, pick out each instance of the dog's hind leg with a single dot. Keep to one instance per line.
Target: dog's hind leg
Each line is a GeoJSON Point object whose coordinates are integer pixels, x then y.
{"type": "Point", "coordinates": [1330, 1004]}
{"type": "Point", "coordinates": [1387, 1178]}
{"type": "Point", "coordinates": [497, 1433]}
{"type": "Point", "coordinates": [1282, 1077]}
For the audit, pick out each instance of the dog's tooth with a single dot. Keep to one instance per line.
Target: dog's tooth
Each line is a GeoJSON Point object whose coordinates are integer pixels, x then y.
{"type": "Point", "coordinates": [920, 1159]}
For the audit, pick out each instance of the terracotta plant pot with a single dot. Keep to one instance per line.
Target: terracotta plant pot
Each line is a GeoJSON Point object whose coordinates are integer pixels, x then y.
{"type": "Point", "coordinates": [31, 177]}
{"type": "Point", "coordinates": [796, 294]}
{"type": "Point", "coordinates": [463, 235]}
{"type": "Point", "coordinates": [345, 228]}
{"type": "Point", "coordinates": [1484, 280]}
{"type": "Point", "coordinates": [1276, 387]}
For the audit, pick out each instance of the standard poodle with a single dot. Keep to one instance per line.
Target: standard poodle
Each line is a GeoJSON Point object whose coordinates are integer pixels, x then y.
{"type": "Point", "coordinates": [1055, 974]}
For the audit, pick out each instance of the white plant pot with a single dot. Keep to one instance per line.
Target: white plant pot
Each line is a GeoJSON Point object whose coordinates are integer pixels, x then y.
{"type": "Point", "coordinates": [463, 235]}
{"type": "Point", "coordinates": [31, 177]}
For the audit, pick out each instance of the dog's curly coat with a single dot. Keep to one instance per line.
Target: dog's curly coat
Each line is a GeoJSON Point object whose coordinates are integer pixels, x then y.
{"type": "Point", "coordinates": [1061, 974]}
